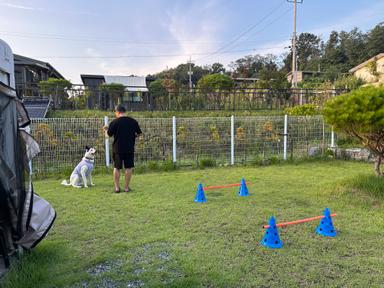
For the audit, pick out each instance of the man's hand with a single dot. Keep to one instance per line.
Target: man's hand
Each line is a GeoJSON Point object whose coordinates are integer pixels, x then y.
{"type": "Point", "coordinates": [105, 128]}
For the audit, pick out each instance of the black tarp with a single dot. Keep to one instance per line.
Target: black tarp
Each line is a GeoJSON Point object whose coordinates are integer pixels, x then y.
{"type": "Point", "coordinates": [25, 218]}
{"type": "Point", "coordinates": [12, 193]}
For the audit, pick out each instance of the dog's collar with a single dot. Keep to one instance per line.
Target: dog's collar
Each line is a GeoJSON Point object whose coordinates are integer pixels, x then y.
{"type": "Point", "coordinates": [88, 160]}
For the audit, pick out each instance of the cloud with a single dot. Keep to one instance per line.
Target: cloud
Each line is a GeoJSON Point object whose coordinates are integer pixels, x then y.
{"type": "Point", "coordinates": [9, 5]}
{"type": "Point", "coordinates": [29, 8]}
{"type": "Point", "coordinates": [185, 35]}
{"type": "Point", "coordinates": [196, 37]}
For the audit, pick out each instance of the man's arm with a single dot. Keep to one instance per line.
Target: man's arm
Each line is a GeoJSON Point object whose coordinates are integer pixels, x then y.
{"type": "Point", "coordinates": [110, 130]}
{"type": "Point", "coordinates": [138, 130]}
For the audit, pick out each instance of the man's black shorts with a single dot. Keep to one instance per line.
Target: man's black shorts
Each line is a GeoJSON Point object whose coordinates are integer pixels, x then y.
{"type": "Point", "coordinates": [126, 159]}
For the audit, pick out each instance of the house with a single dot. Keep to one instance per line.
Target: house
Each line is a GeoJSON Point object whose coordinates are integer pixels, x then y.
{"type": "Point", "coordinates": [370, 71]}
{"type": "Point", "coordinates": [29, 72]}
{"type": "Point", "coordinates": [241, 82]}
{"type": "Point", "coordinates": [302, 75]}
{"type": "Point", "coordinates": [135, 95]}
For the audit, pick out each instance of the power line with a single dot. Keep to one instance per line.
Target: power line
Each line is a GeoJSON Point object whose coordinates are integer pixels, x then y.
{"type": "Point", "coordinates": [258, 31]}
{"type": "Point", "coordinates": [152, 56]}
{"type": "Point", "coordinates": [244, 33]}
{"type": "Point", "coordinates": [268, 24]}
{"type": "Point", "coordinates": [92, 39]}
{"type": "Point", "coordinates": [106, 40]}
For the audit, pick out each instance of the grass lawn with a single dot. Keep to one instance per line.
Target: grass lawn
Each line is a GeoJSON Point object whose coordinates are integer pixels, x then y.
{"type": "Point", "coordinates": [157, 236]}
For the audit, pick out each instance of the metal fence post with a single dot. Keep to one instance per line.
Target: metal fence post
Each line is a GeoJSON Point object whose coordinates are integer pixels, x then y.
{"type": "Point", "coordinates": [174, 138]}
{"type": "Point", "coordinates": [107, 158]}
{"type": "Point", "coordinates": [232, 140]}
{"type": "Point", "coordinates": [332, 138]}
{"type": "Point", "coordinates": [301, 97]}
{"type": "Point", "coordinates": [323, 142]}
{"type": "Point", "coordinates": [285, 136]}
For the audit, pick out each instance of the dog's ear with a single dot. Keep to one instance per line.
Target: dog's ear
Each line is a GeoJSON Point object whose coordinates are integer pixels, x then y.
{"type": "Point", "coordinates": [87, 148]}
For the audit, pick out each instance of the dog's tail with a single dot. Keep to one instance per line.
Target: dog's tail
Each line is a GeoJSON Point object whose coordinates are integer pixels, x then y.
{"type": "Point", "coordinates": [65, 183]}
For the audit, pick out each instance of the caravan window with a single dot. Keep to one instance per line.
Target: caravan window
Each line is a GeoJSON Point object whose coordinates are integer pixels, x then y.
{"type": "Point", "coordinates": [4, 78]}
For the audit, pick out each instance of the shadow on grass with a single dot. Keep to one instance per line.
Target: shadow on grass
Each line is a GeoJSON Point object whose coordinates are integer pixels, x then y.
{"type": "Point", "coordinates": [34, 266]}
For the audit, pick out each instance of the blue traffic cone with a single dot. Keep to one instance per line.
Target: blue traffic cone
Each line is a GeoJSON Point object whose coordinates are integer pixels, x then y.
{"type": "Point", "coordinates": [271, 237]}
{"type": "Point", "coordinates": [200, 197]}
{"type": "Point", "coordinates": [325, 227]}
{"type": "Point", "coordinates": [243, 189]}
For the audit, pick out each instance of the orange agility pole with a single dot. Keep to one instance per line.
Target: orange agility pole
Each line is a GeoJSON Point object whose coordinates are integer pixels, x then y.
{"type": "Point", "coordinates": [223, 186]}
{"type": "Point", "coordinates": [298, 221]}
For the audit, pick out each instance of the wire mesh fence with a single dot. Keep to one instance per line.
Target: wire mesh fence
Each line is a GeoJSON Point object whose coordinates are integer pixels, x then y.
{"type": "Point", "coordinates": [199, 141]}
{"type": "Point", "coordinates": [203, 140]}
{"type": "Point", "coordinates": [82, 97]}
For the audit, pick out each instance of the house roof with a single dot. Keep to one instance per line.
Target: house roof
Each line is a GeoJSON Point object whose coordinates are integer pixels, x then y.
{"type": "Point", "coordinates": [304, 72]}
{"type": "Point", "coordinates": [90, 76]}
{"type": "Point", "coordinates": [22, 60]}
{"type": "Point", "coordinates": [374, 58]}
{"type": "Point", "coordinates": [245, 79]}
{"type": "Point", "coordinates": [132, 83]}
{"type": "Point", "coordinates": [129, 81]}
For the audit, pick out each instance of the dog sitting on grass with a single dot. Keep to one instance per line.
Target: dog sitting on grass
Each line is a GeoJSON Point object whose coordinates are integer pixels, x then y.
{"type": "Point", "coordinates": [82, 174]}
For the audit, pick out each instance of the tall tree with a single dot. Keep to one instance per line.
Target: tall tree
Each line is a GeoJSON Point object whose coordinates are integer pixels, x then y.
{"type": "Point", "coordinates": [308, 51]}
{"type": "Point", "coordinates": [213, 82]}
{"type": "Point", "coordinates": [182, 77]}
{"type": "Point", "coordinates": [216, 68]}
{"type": "Point", "coordinates": [353, 44]}
{"type": "Point", "coordinates": [334, 60]}
{"type": "Point", "coordinates": [254, 66]}
{"type": "Point", "coordinates": [247, 66]}
{"type": "Point", "coordinates": [375, 41]}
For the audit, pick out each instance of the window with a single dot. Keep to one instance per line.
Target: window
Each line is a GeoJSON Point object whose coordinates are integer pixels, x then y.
{"type": "Point", "coordinates": [126, 96]}
{"type": "Point", "coordinates": [4, 78]}
{"type": "Point", "coordinates": [130, 96]}
{"type": "Point", "coordinates": [137, 97]}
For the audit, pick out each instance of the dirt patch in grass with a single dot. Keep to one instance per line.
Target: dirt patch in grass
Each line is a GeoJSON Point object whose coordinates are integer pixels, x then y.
{"type": "Point", "coordinates": [156, 259]}
{"type": "Point", "coordinates": [104, 267]}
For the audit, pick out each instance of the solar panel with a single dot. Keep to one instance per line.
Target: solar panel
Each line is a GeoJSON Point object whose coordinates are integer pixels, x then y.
{"type": "Point", "coordinates": [37, 108]}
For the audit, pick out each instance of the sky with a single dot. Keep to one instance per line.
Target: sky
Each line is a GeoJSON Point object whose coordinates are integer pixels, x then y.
{"type": "Point", "coordinates": [125, 37]}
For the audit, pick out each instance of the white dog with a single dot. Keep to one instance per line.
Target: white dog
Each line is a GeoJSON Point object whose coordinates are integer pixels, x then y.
{"type": "Point", "coordinates": [82, 174]}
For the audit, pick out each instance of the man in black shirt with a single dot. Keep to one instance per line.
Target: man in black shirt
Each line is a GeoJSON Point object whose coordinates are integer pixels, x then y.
{"type": "Point", "coordinates": [124, 130]}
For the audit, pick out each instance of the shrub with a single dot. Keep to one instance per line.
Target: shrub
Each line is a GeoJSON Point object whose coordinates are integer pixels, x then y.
{"type": "Point", "coordinates": [360, 114]}
{"type": "Point", "coordinates": [153, 165]}
{"type": "Point", "coordinates": [168, 165]}
{"type": "Point", "coordinates": [303, 110]}
{"type": "Point", "coordinates": [208, 162]}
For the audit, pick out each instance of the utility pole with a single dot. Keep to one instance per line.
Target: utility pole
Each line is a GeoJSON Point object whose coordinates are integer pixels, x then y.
{"type": "Point", "coordinates": [294, 60]}
{"type": "Point", "coordinates": [190, 73]}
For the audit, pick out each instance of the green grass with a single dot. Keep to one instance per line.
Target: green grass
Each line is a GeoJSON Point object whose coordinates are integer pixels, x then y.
{"type": "Point", "coordinates": [157, 236]}
{"type": "Point", "coordinates": [160, 114]}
